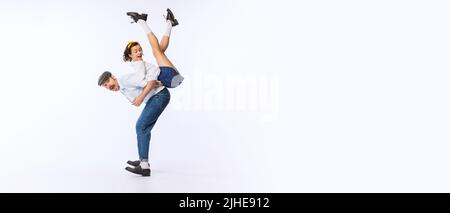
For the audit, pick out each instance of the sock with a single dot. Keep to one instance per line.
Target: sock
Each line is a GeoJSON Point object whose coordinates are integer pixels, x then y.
{"type": "Point", "coordinates": [168, 29]}
{"type": "Point", "coordinates": [144, 26]}
{"type": "Point", "coordinates": [144, 164]}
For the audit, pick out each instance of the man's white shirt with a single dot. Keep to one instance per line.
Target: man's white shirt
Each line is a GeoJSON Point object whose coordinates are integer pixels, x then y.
{"type": "Point", "coordinates": [132, 84]}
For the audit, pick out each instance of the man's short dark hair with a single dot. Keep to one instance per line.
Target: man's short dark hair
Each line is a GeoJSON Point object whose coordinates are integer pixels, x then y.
{"type": "Point", "coordinates": [104, 77]}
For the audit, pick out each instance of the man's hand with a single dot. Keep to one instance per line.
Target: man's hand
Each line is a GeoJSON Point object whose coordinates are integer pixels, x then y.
{"type": "Point", "coordinates": [150, 85]}
{"type": "Point", "coordinates": [138, 101]}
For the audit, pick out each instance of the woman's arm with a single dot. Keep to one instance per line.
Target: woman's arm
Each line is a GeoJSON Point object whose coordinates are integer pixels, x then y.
{"type": "Point", "coordinates": [149, 87]}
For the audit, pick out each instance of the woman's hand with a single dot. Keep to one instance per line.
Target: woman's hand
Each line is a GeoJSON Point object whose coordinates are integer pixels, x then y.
{"type": "Point", "coordinates": [138, 101]}
{"type": "Point", "coordinates": [158, 84]}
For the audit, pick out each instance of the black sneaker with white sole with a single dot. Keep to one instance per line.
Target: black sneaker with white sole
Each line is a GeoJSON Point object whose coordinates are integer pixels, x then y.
{"type": "Point", "coordinates": [138, 170]}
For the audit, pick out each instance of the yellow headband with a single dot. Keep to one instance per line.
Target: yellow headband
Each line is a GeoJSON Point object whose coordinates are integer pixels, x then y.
{"type": "Point", "coordinates": [130, 43]}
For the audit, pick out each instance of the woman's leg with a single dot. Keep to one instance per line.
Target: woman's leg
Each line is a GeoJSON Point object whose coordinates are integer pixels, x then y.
{"type": "Point", "coordinates": [164, 43]}
{"type": "Point", "coordinates": [170, 77]}
{"type": "Point", "coordinates": [158, 53]}
{"type": "Point", "coordinates": [171, 22]}
{"type": "Point", "coordinates": [161, 58]}
{"type": "Point", "coordinates": [166, 37]}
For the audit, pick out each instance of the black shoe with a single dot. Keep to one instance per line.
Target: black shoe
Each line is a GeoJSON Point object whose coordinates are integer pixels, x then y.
{"type": "Point", "coordinates": [134, 163]}
{"type": "Point", "coordinates": [171, 17]}
{"type": "Point", "coordinates": [136, 16]}
{"type": "Point", "coordinates": [138, 170]}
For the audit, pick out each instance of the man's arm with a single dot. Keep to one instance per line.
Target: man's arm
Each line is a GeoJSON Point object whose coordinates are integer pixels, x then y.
{"type": "Point", "coordinates": [149, 87]}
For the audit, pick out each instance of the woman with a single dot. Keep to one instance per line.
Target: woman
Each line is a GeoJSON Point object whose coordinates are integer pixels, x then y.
{"type": "Point", "coordinates": [169, 75]}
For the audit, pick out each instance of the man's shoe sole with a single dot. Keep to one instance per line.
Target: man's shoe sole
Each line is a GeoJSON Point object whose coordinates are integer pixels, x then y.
{"type": "Point", "coordinates": [145, 172]}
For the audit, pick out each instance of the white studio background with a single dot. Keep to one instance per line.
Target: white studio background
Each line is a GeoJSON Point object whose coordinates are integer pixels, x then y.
{"type": "Point", "coordinates": [293, 96]}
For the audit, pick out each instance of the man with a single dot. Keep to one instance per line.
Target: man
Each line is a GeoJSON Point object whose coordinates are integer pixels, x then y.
{"type": "Point", "coordinates": [146, 85]}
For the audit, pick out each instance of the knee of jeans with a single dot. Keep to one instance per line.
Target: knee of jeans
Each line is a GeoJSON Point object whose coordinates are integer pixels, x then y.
{"type": "Point", "coordinates": [140, 128]}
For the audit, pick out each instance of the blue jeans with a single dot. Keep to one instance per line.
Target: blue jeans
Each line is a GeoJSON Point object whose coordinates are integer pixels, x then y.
{"type": "Point", "coordinates": [154, 107]}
